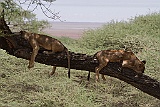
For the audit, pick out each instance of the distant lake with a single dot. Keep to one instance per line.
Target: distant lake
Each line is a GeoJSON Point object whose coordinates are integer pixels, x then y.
{"type": "Point", "coordinates": [71, 29]}
{"type": "Point", "coordinates": [75, 25]}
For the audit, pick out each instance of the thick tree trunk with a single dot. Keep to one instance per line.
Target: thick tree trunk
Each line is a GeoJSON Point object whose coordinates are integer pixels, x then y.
{"type": "Point", "coordinates": [17, 46]}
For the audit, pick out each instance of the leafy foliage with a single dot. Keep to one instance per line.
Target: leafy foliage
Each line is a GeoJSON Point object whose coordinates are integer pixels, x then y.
{"type": "Point", "coordinates": [130, 35]}
{"type": "Point", "coordinates": [20, 19]}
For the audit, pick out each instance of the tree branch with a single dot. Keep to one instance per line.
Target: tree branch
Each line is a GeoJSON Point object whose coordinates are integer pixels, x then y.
{"type": "Point", "coordinates": [17, 46]}
{"type": "Point", "coordinates": [44, 8]}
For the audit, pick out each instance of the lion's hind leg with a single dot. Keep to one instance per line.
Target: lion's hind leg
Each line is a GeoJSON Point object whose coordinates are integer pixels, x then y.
{"type": "Point", "coordinates": [102, 64]}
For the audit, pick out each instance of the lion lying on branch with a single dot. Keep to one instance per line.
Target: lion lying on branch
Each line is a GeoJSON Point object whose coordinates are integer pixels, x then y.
{"type": "Point", "coordinates": [49, 43]}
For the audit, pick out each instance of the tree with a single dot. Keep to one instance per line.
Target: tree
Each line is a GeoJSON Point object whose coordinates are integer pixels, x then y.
{"type": "Point", "coordinates": [45, 8]}
{"type": "Point", "coordinates": [19, 19]}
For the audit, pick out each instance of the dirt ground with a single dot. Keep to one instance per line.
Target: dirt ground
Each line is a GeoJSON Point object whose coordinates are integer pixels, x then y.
{"type": "Point", "coordinates": [71, 29]}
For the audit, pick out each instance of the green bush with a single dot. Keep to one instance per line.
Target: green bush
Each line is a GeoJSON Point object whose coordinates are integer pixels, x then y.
{"type": "Point", "coordinates": [119, 34]}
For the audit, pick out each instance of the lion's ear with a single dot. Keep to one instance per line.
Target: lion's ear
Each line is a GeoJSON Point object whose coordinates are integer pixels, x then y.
{"type": "Point", "coordinates": [21, 32]}
{"type": "Point", "coordinates": [144, 61]}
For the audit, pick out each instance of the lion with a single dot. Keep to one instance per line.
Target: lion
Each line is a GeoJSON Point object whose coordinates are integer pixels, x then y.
{"type": "Point", "coordinates": [49, 43]}
{"type": "Point", "coordinates": [127, 58]}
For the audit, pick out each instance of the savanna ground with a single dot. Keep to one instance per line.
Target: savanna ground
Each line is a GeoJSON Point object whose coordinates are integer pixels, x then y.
{"type": "Point", "coordinates": [20, 87]}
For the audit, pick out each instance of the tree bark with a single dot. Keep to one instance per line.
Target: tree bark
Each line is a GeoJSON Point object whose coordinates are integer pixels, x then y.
{"type": "Point", "coordinates": [17, 46]}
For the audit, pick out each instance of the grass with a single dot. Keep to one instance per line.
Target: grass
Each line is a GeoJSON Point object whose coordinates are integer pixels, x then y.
{"type": "Point", "coordinates": [33, 88]}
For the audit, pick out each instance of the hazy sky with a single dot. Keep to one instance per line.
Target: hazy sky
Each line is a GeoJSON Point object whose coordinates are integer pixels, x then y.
{"type": "Point", "coordinates": [101, 10]}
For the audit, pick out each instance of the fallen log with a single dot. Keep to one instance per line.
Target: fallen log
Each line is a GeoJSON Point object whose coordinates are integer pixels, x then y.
{"type": "Point", "coordinates": [17, 46]}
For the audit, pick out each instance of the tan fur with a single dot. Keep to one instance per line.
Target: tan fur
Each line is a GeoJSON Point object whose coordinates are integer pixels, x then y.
{"type": "Point", "coordinates": [128, 57]}
{"type": "Point", "coordinates": [49, 43]}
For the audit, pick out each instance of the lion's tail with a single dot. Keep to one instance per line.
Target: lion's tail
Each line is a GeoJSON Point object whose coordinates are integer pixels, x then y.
{"type": "Point", "coordinates": [69, 63]}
